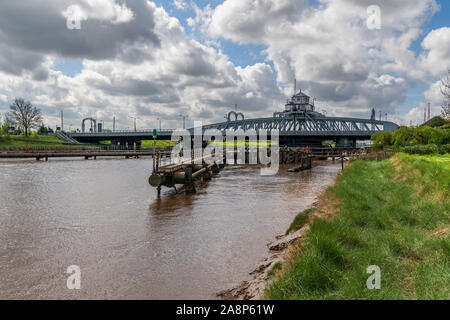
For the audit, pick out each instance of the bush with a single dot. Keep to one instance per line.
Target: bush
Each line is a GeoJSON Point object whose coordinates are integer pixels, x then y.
{"type": "Point", "coordinates": [422, 149]}
{"type": "Point", "coordinates": [5, 138]}
{"type": "Point", "coordinates": [382, 139]}
{"type": "Point", "coordinates": [405, 136]}
{"type": "Point", "coordinates": [436, 122]}
{"type": "Point", "coordinates": [402, 136]}
{"type": "Point", "coordinates": [445, 149]}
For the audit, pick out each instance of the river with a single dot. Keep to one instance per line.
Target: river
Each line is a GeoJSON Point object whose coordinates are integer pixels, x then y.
{"type": "Point", "coordinates": [103, 216]}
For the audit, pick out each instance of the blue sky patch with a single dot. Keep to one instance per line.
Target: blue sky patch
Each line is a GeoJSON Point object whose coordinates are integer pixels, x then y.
{"type": "Point", "coordinates": [69, 68]}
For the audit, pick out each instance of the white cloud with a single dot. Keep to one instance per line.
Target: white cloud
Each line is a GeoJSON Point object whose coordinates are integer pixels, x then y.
{"type": "Point", "coordinates": [137, 59]}
{"type": "Point", "coordinates": [332, 52]}
{"type": "Point", "coordinates": [437, 57]}
{"type": "Point", "coordinates": [99, 9]}
{"type": "Point", "coordinates": [180, 4]}
{"type": "Point", "coordinates": [180, 75]}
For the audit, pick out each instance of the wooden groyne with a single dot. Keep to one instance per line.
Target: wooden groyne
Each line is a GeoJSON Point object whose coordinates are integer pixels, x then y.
{"type": "Point", "coordinates": [188, 172]}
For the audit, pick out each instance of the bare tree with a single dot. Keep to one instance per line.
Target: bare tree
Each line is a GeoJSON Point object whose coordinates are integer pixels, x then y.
{"type": "Point", "coordinates": [445, 89]}
{"type": "Point", "coordinates": [23, 114]}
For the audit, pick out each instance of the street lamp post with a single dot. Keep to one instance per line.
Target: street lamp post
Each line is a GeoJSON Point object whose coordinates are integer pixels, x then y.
{"type": "Point", "coordinates": [135, 118]}
{"type": "Point", "coordinates": [159, 119]}
{"type": "Point", "coordinates": [184, 120]}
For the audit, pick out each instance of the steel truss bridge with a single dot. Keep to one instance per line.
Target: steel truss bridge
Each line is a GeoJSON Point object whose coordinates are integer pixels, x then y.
{"type": "Point", "coordinates": [293, 131]}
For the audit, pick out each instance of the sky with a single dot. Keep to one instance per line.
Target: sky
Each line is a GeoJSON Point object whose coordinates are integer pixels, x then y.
{"type": "Point", "coordinates": [164, 59]}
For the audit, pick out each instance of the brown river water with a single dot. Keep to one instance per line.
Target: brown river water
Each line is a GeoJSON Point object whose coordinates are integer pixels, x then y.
{"type": "Point", "coordinates": [103, 216]}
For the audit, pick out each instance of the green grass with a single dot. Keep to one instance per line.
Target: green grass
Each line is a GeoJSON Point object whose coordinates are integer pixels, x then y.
{"type": "Point", "coordinates": [393, 214]}
{"type": "Point", "coordinates": [43, 138]}
{"type": "Point", "coordinates": [246, 143]}
{"type": "Point", "coordinates": [159, 143]}
{"type": "Point", "coordinates": [149, 143]}
{"type": "Point", "coordinates": [36, 141]}
{"type": "Point", "coordinates": [299, 221]}
{"type": "Point", "coordinates": [443, 159]}
{"type": "Point", "coordinates": [277, 266]}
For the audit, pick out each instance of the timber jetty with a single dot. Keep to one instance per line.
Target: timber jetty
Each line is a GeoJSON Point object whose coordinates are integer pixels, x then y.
{"type": "Point", "coordinates": [189, 172]}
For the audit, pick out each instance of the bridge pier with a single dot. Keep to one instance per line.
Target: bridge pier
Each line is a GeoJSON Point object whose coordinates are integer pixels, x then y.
{"type": "Point", "coordinates": [114, 144]}
{"type": "Point", "coordinates": [138, 145]}
{"type": "Point", "coordinates": [345, 142]}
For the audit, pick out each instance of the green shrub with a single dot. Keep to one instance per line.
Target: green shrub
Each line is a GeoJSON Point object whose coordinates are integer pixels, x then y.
{"type": "Point", "coordinates": [421, 149]}
{"type": "Point", "coordinates": [445, 149]}
{"type": "Point", "coordinates": [402, 136]}
{"type": "Point", "coordinates": [382, 139]}
{"type": "Point", "coordinates": [436, 122]}
{"type": "Point", "coordinates": [5, 138]}
{"type": "Point", "coordinates": [407, 136]}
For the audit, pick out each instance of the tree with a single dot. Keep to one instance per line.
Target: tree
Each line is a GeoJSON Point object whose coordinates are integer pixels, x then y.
{"type": "Point", "coordinates": [24, 114]}
{"type": "Point", "coordinates": [382, 139]}
{"type": "Point", "coordinates": [7, 123]}
{"type": "Point", "coordinates": [403, 136]}
{"type": "Point", "coordinates": [436, 122]}
{"type": "Point", "coordinates": [43, 129]}
{"type": "Point", "coordinates": [445, 89]}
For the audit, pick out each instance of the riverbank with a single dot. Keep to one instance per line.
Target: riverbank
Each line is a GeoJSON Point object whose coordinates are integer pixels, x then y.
{"type": "Point", "coordinates": [392, 213]}
{"type": "Point", "coordinates": [10, 141]}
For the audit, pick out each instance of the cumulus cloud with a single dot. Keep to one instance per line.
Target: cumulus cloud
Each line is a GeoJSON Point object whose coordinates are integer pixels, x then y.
{"type": "Point", "coordinates": [31, 30]}
{"type": "Point", "coordinates": [138, 60]}
{"type": "Point", "coordinates": [100, 10]}
{"type": "Point", "coordinates": [150, 68]}
{"type": "Point", "coordinates": [330, 49]}
{"type": "Point", "coordinates": [437, 46]}
{"type": "Point", "coordinates": [180, 4]}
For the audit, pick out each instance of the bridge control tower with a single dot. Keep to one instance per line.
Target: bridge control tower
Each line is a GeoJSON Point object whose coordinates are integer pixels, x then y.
{"type": "Point", "coordinates": [299, 105]}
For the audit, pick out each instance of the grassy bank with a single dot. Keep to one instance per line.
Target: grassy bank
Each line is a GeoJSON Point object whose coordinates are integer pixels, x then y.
{"type": "Point", "coordinates": [37, 142]}
{"type": "Point", "coordinates": [159, 143]}
{"type": "Point", "coordinates": [393, 214]}
{"type": "Point", "coordinates": [149, 143]}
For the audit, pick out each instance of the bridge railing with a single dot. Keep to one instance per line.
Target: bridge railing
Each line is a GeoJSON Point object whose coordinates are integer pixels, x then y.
{"type": "Point", "coordinates": [150, 131]}
{"type": "Point", "coordinates": [47, 148]}
{"type": "Point", "coordinates": [74, 149]}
